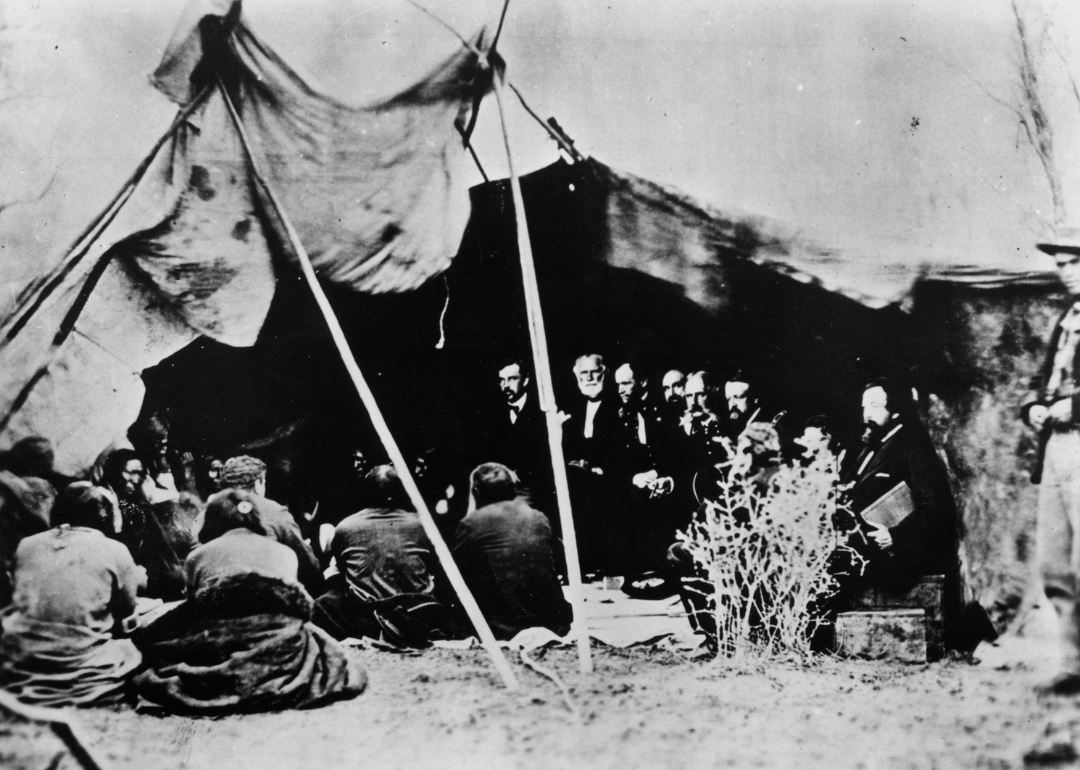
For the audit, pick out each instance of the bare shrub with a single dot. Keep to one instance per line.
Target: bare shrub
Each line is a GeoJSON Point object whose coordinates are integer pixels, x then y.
{"type": "Point", "coordinates": [763, 546]}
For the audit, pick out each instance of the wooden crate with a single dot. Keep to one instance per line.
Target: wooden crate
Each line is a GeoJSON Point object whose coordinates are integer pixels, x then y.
{"type": "Point", "coordinates": [898, 635]}
{"type": "Point", "coordinates": [927, 595]}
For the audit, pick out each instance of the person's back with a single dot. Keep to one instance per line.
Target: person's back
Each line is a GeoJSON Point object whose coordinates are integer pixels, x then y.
{"type": "Point", "coordinates": [73, 588]}
{"type": "Point", "coordinates": [504, 551]}
{"type": "Point", "coordinates": [241, 641]}
{"type": "Point", "coordinates": [383, 553]}
{"type": "Point", "coordinates": [76, 576]}
{"type": "Point", "coordinates": [249, 475]}
{"type": "Point", "coordinates": [239, 552]}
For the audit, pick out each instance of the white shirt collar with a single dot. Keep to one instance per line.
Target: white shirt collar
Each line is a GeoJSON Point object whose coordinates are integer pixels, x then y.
{"type": "Point", "coordinates": [590, 414]}
{"type": "Point", "coordinates": [517, 406]}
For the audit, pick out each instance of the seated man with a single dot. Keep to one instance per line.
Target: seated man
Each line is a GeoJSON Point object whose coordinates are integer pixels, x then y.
{"type": "Point", "coordinates": [388, 566]}
{"type": "Point", "coordinates": [73, 589]}
{"type": "Point", "coordinates": [897, 450]}
{"type": "Point", "coordinates": [504, 551]}
{"type": "Point", "coordinates": [241, 641]}
{"type": "Point", "coordinates": [248, 474]}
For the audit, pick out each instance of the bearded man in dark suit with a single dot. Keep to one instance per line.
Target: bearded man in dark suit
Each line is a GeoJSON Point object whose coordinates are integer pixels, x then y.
{"type": "Point", "coordinates": [896, 450]}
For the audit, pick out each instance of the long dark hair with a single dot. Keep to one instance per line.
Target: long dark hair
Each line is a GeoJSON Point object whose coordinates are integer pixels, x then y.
{"type": "Point", "coordinates": [114, 466]}
{"type": "Point", "coordinates": [81, 504]}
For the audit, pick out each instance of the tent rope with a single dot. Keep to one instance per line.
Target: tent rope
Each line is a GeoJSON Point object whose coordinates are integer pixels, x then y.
{"type": "Point", "coordinates": [97, 344]}
{"type": "Point", "coordinates": [560, 138]}
{"type": "Point", "coordinates": [544, 671]}
{"type": "Point", "coordinates": [442, 317]}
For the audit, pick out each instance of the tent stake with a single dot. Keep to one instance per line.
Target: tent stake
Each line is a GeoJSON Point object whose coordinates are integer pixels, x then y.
{"type": "Point", "coordinates": [483, 630]}
{"type": "Point", "coordinates": [546, 391]}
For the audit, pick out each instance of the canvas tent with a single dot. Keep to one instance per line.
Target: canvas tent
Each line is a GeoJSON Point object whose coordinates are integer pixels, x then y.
{"type": "Point", "coordinates": [643, 273]}
{"type": "Point", "coordinates": [188, 284]}
{"type": "Point", "coordinates": [191, 246]}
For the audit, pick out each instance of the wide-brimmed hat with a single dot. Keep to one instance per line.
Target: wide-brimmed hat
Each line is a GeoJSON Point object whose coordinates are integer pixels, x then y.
{"type": "Point", "coordinates": [1064, 239]}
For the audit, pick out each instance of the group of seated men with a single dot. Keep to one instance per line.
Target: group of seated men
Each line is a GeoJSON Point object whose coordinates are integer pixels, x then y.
{"type": "Point", "coordinates": [640, 463]}
{"type": "Point", "coordinates": [241, 588]}
{"type": "Point", "coordinates": [223, 607]}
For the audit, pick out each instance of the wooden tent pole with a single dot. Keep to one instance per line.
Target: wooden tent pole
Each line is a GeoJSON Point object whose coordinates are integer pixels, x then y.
{"type": "Point", "coordinates": [542, 365]}
{"type": "Point", "coordinates": [483, 630]}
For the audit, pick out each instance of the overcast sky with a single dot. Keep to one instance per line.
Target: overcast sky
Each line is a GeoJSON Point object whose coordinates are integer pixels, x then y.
{"type": "Point", "coordinates": [877, 125]}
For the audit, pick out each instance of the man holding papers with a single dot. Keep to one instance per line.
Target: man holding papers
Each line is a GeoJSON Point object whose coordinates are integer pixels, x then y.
{"type": "Point", "coordinates": [900, 494]}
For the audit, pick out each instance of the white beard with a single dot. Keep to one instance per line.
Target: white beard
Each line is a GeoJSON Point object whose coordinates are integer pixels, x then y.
{"type": "Point", "coordinates": [591, 390]}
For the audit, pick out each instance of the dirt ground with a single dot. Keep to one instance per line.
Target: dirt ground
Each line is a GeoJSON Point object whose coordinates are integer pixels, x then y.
{"type": "Point", "coordinates": [642, 707]}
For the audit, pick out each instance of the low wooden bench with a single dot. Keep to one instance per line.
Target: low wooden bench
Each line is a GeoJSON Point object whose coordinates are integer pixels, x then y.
{"type": "Point", "coordinates": [889, 625]}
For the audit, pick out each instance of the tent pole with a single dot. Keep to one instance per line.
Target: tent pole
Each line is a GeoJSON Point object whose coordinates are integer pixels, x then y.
{"type": "Point", "coordinates": [546, 391]}
{"type": "Point", "coordinates": [487, 638]}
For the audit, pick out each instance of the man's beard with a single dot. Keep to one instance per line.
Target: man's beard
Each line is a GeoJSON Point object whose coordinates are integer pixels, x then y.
{"type": "Point", "coordinates": [873, 433]}
{"type": "Point", "coordinates": [511, 396]}
{"type": "Point", "coordinates": [591, 390]}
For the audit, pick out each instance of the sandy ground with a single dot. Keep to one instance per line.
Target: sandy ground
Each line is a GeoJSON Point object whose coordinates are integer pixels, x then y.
{"type": "Point", "coordinates": [642, 707]}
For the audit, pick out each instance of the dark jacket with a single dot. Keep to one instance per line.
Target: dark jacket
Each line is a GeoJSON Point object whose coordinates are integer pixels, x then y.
{"type": "Point", "coordinates": [605, 448]}
{"type": "Point", "coordinates": [504, 552]}
{"type": "Point", "coordinates": [1037, 395]}
{"type": "Point", "coordinates": [925, 543]}
{"type": "Point", "coordinates": [521, 445]}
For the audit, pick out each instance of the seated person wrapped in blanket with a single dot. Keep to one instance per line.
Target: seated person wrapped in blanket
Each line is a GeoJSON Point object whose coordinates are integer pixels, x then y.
{"type": "Point", "coordinates": [242, 641]}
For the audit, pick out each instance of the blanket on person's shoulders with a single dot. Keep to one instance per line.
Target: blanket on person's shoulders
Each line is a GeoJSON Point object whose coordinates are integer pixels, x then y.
{"type": "Point", "coordinates": [243, 644]}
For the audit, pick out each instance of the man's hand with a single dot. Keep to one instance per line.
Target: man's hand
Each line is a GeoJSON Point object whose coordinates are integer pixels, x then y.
{"type": "Point", "coordinates": [664, 485]}
{"type": "Point", "coordinates": [1060, 412]}
{"type": "Point", "coordinates": [880, 534]}
{"type": "Point", "coordinates": [1037, 417]}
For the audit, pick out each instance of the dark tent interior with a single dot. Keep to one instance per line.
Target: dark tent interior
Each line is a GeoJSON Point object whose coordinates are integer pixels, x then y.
{"type": "Point", "coordinates": [430, 355]}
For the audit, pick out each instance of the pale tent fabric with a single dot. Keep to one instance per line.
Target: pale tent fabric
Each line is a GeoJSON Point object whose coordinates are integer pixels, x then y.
{"type": "Point", "coordinates": [664, 233]}
{"type": "Point", "coordinates": [376, 193]}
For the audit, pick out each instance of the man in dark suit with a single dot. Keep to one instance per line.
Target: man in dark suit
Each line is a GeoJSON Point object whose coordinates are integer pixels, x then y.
{"type": "Point", "coordinates": [651, 455]}
{"type": "Point", "coordinates": [504, 549]}
{"type": "Point", "coordinates": [897, 450]}
{"type": "Point", "coordinates": [1052, 408]}
{"type": "Point", "coordinates": [595, 458]}
{"type": "Point", "coordinates": [519, 436]}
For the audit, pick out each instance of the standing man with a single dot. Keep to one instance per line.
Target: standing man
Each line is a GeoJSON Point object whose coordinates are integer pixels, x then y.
{"type": "Point", "coordinates": [1052, 409]}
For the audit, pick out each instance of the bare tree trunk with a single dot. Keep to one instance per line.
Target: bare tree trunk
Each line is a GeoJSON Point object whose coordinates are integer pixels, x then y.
{"type": "Point", "coordinates": [1034, 120]}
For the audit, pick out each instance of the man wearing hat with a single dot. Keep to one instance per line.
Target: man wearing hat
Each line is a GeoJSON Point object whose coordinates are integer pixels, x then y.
{"type": "Point", "coordinates": [1052, 409]}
